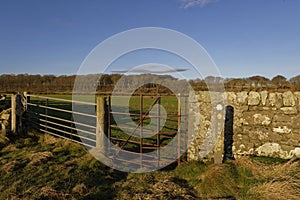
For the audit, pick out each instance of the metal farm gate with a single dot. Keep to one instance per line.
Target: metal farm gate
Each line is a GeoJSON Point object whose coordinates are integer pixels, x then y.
{"type": "Point", "coordinates": [55, 116]}
{"type": "Point", "coordinates": [139, 138]}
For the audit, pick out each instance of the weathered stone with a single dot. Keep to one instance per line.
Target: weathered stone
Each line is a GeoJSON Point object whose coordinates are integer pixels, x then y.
{"type": "Point", "coordinates": [293, 142]}
{"type": "Point", "coordinates": [287, 147]}
{"type": "Point", "coordinates": [275, 99]}
{"type": "Point", "coordinates": [283, 129]}
{"type": "Point", "coordinates": [264, 96]}
{"type": "Point", "coordinates": [242, 97]}
{"type": "Point", "coordinates": [288, 99]}
{"type": "Point", "coordinates": [293, 136]}
{"type": "Point", "coordinates": [204, 96]}
{"type": "Point", "coordinates": [275, 137]}
{"type": "Point", "coordinates": [253, 98]}
{"type": "Point", "coordinates": [241, 122]}
{"type": "Point", "coordinates": [297, 97]}
{"type": "Point", "coordinates": [230, 98]}
{"type": "Point", "coordinates": [261, 119]}
{"type": "Point", "coordinates": [193, 98]}
{"type": "Point", "coordinates": [266, 108]}
{"type": "Point", "coordinates": [297, 152]}
{"type": "Point", "coordinates": [281, 118]}
{"type": "Point", "coordinates": [255, 108]}
{"type": "Point", "coordinates": [263, 136]}
{"type": "Point", "coordinates": [240, 109]}
{"type": "Point", "coordinates": [273, 150]}
{"type": "Point", "coordinates": [289, 110]}
{"type": "Point", "coordinates": [296, 122]}
{"type": "Point", "coordinates": [217, 96]}
{"type": "Point", "coordinates": [266, 122]}
{"type": "Point", "coordinates": [258, 134]}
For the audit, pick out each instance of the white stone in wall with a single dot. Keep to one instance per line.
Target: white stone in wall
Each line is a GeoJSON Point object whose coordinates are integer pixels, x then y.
{"type": "Point", "coordinates": [254, 109]}
{"type": "Point", "coordinates": [264, 96]}
{"type": "Point", "coordinates": [242, 97]}
{"type": "Point", "coordinates": [230, 98]}
{"type": "Point", "coordinates": [204, 96]}
{"type": "Point", "coordinates": [242, 150]}
{"type": "Point", "coordinates": [262, 135]}
{"type": "Point", "coordinates": [273, 150]}
{"type": "Point", "coordinates": [253, 98]}
{"type": "Point", "coordinates": [261, 119]}
{"type": "Point", "coordinates": [297, 97]}
{"type": "Point", "coordinates": [284, 129]}
{"type": "Point", "coordinates": [289, 110]}
{"type": "Point", "coordinates": [288, 99]}
{"type": "Point", "coordinates": [241, 122]}
{"type": "Point", "coordinates": [275, 99]}
{"type": "Point", "coordinates": [272, 99]}
{"type": "Point", "coordinates": [297, 152]}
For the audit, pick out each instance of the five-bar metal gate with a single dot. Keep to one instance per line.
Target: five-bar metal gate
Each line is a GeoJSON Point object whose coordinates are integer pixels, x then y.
{"type": "Point", "coordinates": [55, 116]}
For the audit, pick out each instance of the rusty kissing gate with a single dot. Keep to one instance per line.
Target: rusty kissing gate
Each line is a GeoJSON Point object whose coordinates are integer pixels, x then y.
{"type": "Point", "coordinates": [169, 115]}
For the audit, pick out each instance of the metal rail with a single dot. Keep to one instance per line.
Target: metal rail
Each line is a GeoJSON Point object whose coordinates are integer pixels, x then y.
{"type": "Point", "coordinates": [64, 100]}
{"type": "Point", "coordinates": [61, 110]}
{"type": "Point", "coordinates": [43, 121]}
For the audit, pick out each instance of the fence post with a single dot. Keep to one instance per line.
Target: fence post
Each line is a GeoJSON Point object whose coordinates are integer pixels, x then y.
{"type": "Point", "coordinates": [158, 131]}
{"type": "Point", "coordinates": [25, 114]}
{"type": "Point", "coordinates": [25, 101]}
{"type": "Point", "coordinates": [101, 123]}
{"type": "Point", "coordinates": [141, 129]}
{"type": "Point", "coordinates": [46, 114]}
{"type": "Point", "coordinates": [13, 113]}
{"type": "Point", "coordinates": [179, 128]}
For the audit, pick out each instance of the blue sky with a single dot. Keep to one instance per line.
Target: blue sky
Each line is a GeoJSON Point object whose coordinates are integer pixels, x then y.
{"type": "Point", "coordinates": [243, 37]}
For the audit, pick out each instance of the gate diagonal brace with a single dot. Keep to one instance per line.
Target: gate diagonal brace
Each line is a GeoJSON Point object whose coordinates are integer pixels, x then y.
{"type": "Point", "coordinates": [140, 123]}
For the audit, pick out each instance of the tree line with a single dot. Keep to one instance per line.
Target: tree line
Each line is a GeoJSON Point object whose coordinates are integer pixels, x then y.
{"type": "Point", "coordinates": [107, 83]}
{"type": "Point", "coordinates": [253, 83]}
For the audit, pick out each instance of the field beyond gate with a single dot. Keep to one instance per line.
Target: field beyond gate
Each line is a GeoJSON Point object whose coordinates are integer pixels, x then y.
{"type": "Point", "coordinates": [151, 123]}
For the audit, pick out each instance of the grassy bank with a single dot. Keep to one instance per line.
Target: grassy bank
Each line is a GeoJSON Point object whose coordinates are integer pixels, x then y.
{"type": "Point", "coordinates": [38, 166]}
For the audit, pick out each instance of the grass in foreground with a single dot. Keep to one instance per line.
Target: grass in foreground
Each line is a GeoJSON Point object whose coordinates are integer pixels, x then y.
{"type": "Point", "coordinates": [39, 166]}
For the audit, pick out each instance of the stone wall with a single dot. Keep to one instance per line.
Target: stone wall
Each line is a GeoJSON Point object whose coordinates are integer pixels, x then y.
{"type": "Point", "coordinates": [265, 123]}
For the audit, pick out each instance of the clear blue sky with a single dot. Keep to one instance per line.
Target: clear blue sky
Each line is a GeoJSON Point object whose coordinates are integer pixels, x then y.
{"type": "Point", "coordinates": [244, 37]}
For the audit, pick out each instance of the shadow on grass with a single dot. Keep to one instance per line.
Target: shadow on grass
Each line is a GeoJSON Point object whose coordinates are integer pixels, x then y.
{"type": "Point", "coordinates": [40, 166]}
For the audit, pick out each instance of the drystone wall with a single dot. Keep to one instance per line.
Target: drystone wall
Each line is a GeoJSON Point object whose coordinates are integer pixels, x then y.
{"type": "Point", "coordinates": [265, 124]}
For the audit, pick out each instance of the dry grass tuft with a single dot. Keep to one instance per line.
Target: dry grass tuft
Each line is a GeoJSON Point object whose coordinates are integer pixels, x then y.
{"type": "Point", "coordinates": [281, 183]}
{"type": "Point", "coordinates": [49, 139]}
{"type": "Point", "coordinates": [80, 189]}
{"type": "Point", "coordinates": [258, 169]}
{"type": "Point", "coordinates": [9, 167]}
{"type": "Point", "coordinates": [283, 189]}
{"type": "Point", "coordinates": [147, 186]}
{"type": "Point", "coordinates": [48, 192]}
{"type": "Point", "coordinates": [40, 157]}
{"type": "Point", "coordinates": [3, 140]}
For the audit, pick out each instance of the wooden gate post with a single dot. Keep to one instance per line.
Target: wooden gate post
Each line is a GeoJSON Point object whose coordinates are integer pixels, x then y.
{"type": "Point", "coordinates": [25, 112]}
{"type": "Point", "coordinates": [101, 129]}
{"type": "Point", "coordinates": [179, 128]}
{"type": "Point", "coordinates": [13, 113]}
